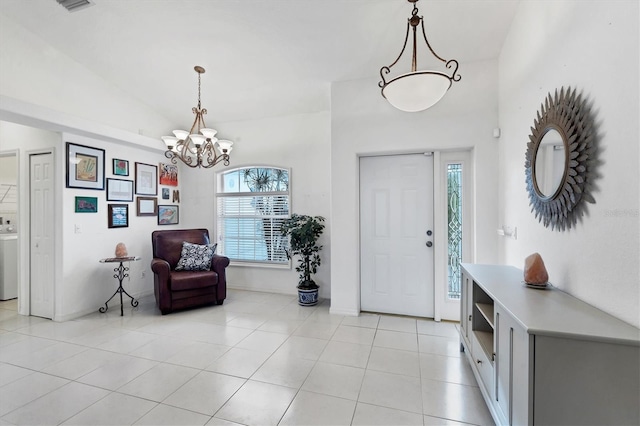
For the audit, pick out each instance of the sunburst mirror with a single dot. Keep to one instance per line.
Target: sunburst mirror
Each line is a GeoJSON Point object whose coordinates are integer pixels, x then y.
{"type": "Point", "coordinates": [557, 162]}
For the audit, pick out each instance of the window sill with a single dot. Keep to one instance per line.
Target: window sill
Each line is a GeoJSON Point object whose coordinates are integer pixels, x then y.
{"type": "Point", "coordinates": [243, 264]}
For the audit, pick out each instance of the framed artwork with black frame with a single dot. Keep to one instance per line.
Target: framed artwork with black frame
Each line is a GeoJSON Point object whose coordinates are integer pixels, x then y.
{"type": "Point", "coordinates": [118, 215]}
{"type": "Point", "coordinates": [168, 215]}
{"type": "Point", "coordinates": [147, 206]}
{"type": "Point", "coordinates": [85, 167]}
{"type": "Point", "coordinates": [120, 167]}
{"type": "Point", "coordinates": [146, 179]}
{"type": "Point", "coordinates": [119, 190]}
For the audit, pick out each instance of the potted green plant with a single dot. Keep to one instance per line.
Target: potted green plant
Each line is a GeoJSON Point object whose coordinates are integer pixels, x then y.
{"type": "Point", "coordinates": [303, 232]}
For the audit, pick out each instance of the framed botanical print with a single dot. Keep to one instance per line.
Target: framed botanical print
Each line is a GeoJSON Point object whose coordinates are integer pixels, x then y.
{"type": "Point", "coordinates": [119, 190]}
{"type": "Point", "coordinates": [85, 167]}
{"type": "Point", "coordinates": [146, 179]}
{"type": "Point", "coordinates": [118, 215]}
{"type": "Point", "coordinates": [120, 167]}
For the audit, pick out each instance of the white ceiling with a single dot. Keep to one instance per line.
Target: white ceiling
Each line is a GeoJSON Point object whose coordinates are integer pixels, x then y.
{"type": "Point", "coordinates": [263, 57]}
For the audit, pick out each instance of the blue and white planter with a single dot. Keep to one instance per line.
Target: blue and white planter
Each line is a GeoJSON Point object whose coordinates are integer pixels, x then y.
{"type": "Point", "coordinates": [307, 297]}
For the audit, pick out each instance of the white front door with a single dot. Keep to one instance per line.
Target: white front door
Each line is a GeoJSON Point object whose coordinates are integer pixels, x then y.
{"type": "Point", "coordinates": [396, 226]}
{"type": "Point", "coordinates": [41, 234]}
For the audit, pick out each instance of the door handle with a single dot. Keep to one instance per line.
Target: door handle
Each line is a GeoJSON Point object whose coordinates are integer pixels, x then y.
{"type": "Point", "coordinates": [429, 243]}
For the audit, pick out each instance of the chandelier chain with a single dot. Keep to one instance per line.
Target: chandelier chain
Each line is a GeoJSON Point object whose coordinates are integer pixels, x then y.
{"type": "Point", "coordinates": [199, 74]}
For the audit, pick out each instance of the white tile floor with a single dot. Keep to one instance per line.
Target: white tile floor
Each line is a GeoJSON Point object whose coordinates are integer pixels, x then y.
{"type": "Point", "coordinates": [259, 359]}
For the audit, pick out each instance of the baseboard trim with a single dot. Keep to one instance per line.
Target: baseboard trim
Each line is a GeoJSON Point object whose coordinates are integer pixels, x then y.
{"type": "Point", "coordinates": [345, 312]}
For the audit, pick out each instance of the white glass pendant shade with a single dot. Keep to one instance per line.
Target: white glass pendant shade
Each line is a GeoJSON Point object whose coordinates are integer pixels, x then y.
{"type": "Point", "coordinates": [197, 139]}
{"type": "Point", "coordinates": [416, 91]}
{"type": "Point", "coordinates": [225, 146]}
{"type": "Point", "coordinates": [170, 141]}
{"type": "Point", "coordinates": [181, 134]}
{"type": "Point", "coordinates": [209, 133]}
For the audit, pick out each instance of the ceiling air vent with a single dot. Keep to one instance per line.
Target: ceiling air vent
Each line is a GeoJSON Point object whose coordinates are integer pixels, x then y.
{"type": "Point", "coordinates": [75, 5]}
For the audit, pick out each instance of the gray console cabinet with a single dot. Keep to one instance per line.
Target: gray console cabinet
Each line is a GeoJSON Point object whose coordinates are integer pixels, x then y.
{"type": "Point", "coordinates": [543, 357]}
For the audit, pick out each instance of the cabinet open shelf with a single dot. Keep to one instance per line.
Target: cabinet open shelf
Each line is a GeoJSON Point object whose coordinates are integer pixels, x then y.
{"type": "Point", "coordinates": [485, 338]}
{"type": "Point", "coordinates": [483, 320]}
{"type": "Point", "coordinates": [487, 312]}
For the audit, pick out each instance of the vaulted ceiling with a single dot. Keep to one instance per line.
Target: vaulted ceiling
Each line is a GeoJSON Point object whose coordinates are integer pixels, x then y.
{"type": "Point", "coordinates": [262, 57]}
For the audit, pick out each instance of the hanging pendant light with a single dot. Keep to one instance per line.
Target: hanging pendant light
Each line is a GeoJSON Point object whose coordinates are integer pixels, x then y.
{"type": "Point", "coordinates": [417, 90]}
{"type": "Point", "coordinates": [198, 147]}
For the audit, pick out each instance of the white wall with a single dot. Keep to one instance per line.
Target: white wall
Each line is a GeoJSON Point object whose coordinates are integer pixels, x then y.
{"type": "Point", "coordinates": [88, 283]}
{"type": "Point", "coordinates": [31, 70]}
{"type": "Point", "coordinates": [300, 143]}
{"type": "Point", "coordinates": [82, 284]}
{"type": "Point", "coordinates": [42, 87]}
{"type": "Point", "coordinates": [21, 140]}
{"type": "Point", "coordinates": [362, 122]}
{"type": "Point", "coordinates": [594, 47]}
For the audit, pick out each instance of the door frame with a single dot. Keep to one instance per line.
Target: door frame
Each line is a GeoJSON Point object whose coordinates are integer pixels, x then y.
{"type": "Point", "coordinates": [16, 153]}
{"type": "Point", "coordinates": [444, 308]}
{"type": "Point", "coordinates": [24, 253]}
{"type": "Point", "coordinates": [430, 292]}
{"type": "Point", "coordinates": [440, 159]}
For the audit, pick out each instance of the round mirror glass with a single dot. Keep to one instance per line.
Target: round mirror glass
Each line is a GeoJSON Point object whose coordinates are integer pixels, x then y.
{"type": "Point", "coordinates": [549, 164]}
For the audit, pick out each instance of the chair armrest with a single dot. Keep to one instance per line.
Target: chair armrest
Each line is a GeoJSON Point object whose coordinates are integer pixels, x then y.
{"type": "Point", "coordinates": [161, 268]}
{"type": "Point", "coordinates": [218, 265]}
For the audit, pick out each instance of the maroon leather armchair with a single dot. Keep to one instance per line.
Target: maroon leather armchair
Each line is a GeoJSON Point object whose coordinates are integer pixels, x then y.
{"type": "Point", "coordinates": [185, 289]}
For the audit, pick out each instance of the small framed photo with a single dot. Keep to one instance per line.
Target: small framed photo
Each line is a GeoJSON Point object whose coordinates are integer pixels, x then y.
{"type": "Point", "coordinates": [167, 215]}
{"type": "Point", "coordinates": [119, 190]}
{"type": "Point", "coordinates": [86, 204]}
{"type": "Point", "coordinates": [165, 193]}
{"type": "Point", "coordinates": [120, 167]}
{"type": "Point", "coordinates": [85, 167]}
{"type": "Point", "coordinates": [146, 179]}
{"type": "Point", "coordinates": [147, 206]}
{"type": "Point", "coordinates": [168, 174]}
{"type": "Point", "coordinates": [118, 215]}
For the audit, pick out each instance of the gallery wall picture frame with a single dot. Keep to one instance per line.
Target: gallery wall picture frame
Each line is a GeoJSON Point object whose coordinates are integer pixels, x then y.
{"type": "Point", "coordinates": [146, 206]}
{"type": "Point", "coordinates": [85, 167]}
{"type": "Point", "coordinates": [86, 204]}
{"type": "Point", "coordinates": [118, 215]}
{"type": "Point", "coordinates": [120, 167]}
{"type": "Point", "coordinates": [168, 215]}
{"type": "Point", "coordinates": [165, 193]}
{"type": "Point", "coordinates": [146, 179]}
{"type": "Point", "coordinates": [168, 174]}
{"type": "Point", "coordinates": [119, 190]}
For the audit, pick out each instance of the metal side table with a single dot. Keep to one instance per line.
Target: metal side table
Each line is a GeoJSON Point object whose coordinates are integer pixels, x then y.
{"type": "Point", "coordinates": [121, 274]}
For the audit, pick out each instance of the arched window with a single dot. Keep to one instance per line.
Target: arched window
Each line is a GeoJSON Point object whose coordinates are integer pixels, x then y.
{"type": "Point", "coordinates": [252, 204]}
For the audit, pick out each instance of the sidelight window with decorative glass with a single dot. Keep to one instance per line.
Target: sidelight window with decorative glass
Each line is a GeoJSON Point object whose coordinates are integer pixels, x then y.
{"type": "Point", "coordinates": [199, 146]}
